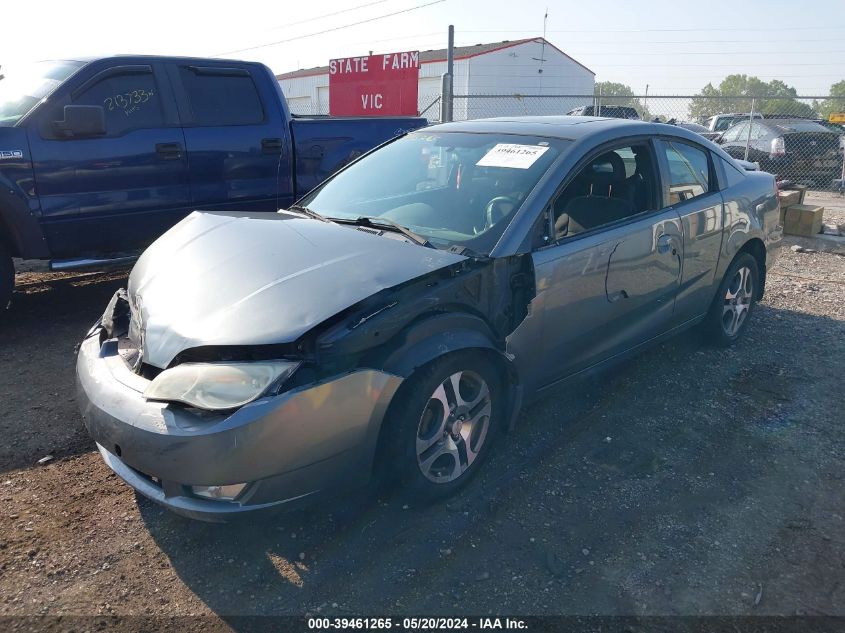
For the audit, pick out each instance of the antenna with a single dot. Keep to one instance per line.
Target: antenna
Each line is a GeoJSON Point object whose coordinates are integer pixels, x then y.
{"type": "Point", "coordinates": [542, 57]}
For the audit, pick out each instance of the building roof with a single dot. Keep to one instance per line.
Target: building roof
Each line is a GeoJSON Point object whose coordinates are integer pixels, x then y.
{"type": "Point", "coordinates": [439, 55]}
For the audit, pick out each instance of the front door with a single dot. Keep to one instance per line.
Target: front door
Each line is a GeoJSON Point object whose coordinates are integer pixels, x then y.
{"type": "Point", "coordinates": [609, 281]}
{"type": "Point", "coordinates": [119, 191]}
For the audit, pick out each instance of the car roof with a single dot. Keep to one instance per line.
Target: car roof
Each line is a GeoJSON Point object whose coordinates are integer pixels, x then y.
{"type": "Point", "coordinates": [562, 127]}
{"type": "Point", "coordinates": [149, 58]}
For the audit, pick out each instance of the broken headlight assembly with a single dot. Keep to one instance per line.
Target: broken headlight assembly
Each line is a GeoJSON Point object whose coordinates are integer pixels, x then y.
{"type": "Point", "coordinates": [219, 386]}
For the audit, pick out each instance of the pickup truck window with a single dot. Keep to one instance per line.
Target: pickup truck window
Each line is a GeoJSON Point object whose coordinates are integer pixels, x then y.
{"type": "Point", "coordinates": [217, 98]}
{"type": "Point", "coordinates": [23, 87]}
{"type": "Point", "coordinates": [130, 102]}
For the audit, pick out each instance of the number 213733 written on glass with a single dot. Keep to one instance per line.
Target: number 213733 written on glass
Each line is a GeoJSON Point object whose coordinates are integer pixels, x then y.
{"type": "Point", "coordinates": [128, 102]}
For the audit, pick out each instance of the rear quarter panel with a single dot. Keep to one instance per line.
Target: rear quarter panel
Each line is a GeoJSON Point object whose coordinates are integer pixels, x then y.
{"type": "Point", "coordinates": [751, 210]}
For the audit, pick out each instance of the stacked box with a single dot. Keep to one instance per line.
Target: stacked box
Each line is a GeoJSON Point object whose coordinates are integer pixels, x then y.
{"type": "Point", "coordinates": [788, 197]}
{"type": "Point", "coordinates": [803, 219]}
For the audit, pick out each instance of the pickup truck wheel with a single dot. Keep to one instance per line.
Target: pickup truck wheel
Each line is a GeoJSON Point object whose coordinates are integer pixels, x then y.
{"type": "Point", "coordinates": [447, 416]}
{"type": "Point", "coordinates": [7, 278]}
{"type": "Point", "coordinates": [734, 302]}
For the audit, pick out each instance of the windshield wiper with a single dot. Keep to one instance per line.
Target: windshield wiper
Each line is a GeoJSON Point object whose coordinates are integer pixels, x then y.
{"type": "Point", "coordinates": [390, 225]}
{"type": "Point", "coordinates": [306, 211]}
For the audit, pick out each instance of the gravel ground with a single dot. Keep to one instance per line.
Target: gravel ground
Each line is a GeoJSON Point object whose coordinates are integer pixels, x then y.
{"type": "Point", "coordinates": [688, 481]}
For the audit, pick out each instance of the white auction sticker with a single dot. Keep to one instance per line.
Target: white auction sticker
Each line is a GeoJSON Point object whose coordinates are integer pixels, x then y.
{"type": "Point", "coordinates": [512, 155]}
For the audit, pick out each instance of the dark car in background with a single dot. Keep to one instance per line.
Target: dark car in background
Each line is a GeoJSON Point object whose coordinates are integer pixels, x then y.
{"type": "Point", "coordinates": [394, 321]}
{"type": "Point", "coordinates": [793, 149]}
{"type": "Point", "coordinates": [698, 129]}
{"type": "Point", "coordinates": [609, 111]}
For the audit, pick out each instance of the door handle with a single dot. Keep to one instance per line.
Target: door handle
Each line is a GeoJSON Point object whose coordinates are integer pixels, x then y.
{"type": "Point", "coordinates": [665, 244]}
{"type": "Point", "coordinates": [271, 145]}
{"type": "Point", "coordinates": [616, 296]}
{"type": "Point", "coordinates": [169, 151]}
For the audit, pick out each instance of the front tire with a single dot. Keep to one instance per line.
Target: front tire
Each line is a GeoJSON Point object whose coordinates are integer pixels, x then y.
{"type": "Point", "coordinates": [442, 425]}
{"type": "Point", "coordinates": [7, 278]}
{"type": "Point", "coordinates": [734, 302]}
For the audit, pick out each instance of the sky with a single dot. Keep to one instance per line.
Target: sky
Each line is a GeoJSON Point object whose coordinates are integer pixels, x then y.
{"type": "Point", "coordinates": [672, 46]}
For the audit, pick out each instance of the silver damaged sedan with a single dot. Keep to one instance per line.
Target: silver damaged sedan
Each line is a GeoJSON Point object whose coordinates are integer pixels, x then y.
{"type": "Point", "coordinates": [398, 317]}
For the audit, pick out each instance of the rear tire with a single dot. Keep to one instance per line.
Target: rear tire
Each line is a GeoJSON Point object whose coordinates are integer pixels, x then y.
{"type": "Point", "coordinates": [7, 278]}
{"type": "Point", "coordinates": [442, 424]}
{"type": "Point", "coordinates": [734, 302]}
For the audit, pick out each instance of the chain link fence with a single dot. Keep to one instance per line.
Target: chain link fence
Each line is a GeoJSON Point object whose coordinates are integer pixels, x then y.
{"type": "Point", "coordinates": [791, 137]}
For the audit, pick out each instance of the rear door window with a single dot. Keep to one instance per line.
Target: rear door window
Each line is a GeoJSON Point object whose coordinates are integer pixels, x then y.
{"type": "Point", "coordinates": [220, 96]}
{"type": "Point", "coordinates": [689, 171]}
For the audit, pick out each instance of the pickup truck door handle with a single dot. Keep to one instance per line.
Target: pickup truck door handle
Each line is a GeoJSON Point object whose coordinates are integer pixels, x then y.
{"type": "Point", "coordinates": [169, 151]}
{"type": "Point", "coordinates": [271, 145]}
{"type": "Point", "coordinates": [616, 296]}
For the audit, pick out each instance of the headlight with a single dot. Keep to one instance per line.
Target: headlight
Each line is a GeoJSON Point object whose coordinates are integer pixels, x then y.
{"type": "Point", "coordinates": [217, 386]}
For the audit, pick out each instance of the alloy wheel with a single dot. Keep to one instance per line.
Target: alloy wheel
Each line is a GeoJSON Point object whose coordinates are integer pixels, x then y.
{"type": "Point", "coordinates": [453, 426]}
{"type": "Point", "coordinates": [738, 298]}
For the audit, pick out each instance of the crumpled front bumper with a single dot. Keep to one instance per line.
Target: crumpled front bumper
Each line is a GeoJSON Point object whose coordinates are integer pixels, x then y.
{"type": "Point", "coordinates": [288, 447]}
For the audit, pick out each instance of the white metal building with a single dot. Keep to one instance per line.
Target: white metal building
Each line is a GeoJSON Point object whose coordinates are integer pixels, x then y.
{"type": "Point", "coordinates": [522, 67]}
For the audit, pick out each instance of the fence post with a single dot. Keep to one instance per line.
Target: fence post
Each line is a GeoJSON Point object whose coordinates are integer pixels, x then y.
{"type": "Point", "coordinates": [447, 80]}
{"type": "Point", "coordinates": [750, 123]}
{"type": "Point", "coordinates": [445, 98]}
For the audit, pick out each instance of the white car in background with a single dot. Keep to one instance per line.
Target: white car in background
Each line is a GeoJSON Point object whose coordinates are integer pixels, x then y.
{"type": "Point", "coordinates": [721, 122]}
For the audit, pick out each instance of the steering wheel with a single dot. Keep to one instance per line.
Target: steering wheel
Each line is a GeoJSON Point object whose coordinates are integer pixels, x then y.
{"type": "Point", "coordinates": [498, 208]}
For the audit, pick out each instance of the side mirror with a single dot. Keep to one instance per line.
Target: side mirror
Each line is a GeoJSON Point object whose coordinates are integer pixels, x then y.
{"type": "Point", "coordinates": [81, 121]}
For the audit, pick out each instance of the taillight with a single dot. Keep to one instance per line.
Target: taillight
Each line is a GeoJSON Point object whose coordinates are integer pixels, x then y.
{"type": "Point", "coordinates": [778, 147]}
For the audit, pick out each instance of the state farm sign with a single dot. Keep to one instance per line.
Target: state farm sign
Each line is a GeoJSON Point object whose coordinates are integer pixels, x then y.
{"type": "Point", "coordinates": [377, 85]}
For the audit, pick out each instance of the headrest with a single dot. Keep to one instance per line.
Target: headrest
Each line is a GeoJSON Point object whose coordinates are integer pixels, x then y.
{"type": "Point", "coordinates": [605, 172]}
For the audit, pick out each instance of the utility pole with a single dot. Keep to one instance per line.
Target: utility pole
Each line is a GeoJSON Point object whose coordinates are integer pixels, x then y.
{"type": "Point", "coordinates": [447, 83]}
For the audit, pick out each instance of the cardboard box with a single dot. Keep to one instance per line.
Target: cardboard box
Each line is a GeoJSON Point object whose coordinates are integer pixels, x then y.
{"type": "Point", "coordinates": [803, 219]}
{"type": "Point", "coordinates": [790, 197]}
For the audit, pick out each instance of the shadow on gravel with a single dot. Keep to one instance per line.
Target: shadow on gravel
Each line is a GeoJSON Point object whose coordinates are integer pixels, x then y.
{"type": "Point", "coordinates": [612, 495]}
{"type": "Point", "coordinates": [38, 335]}
{"type": "Point", "coordinates": [302, 561]}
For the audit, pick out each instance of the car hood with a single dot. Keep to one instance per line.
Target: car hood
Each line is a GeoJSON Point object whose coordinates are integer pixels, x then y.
{"type": "Point", "coordinates": [254, 279]}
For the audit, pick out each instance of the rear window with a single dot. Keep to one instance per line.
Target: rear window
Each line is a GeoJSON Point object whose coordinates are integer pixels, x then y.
{"type": "Point", "coordinates": [801, 126]}
{"type": "Point", "coordinates": [219, 98]}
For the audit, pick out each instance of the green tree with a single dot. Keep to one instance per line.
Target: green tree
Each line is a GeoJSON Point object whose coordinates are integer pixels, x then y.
{"type": "Point", "coordinates": [737, 93]}
{"type": "Point", "coordinates": [613, 93]}
{"type": "Point", "coordinates": [836, 102]}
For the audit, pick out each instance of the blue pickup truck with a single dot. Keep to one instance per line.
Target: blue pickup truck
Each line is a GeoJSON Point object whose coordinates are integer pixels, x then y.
{"type": "Point", "coordinates": [98, 157]}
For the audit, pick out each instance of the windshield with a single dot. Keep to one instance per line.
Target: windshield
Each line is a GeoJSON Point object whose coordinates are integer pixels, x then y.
{"type": "Point", "coordinates": [453, 188]}
{"type": "Point", "coordinates": [725, 122]}
{"type": "Point", "coordinates": [23, 87]}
